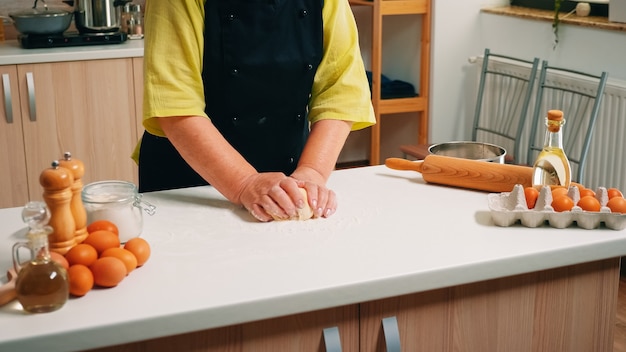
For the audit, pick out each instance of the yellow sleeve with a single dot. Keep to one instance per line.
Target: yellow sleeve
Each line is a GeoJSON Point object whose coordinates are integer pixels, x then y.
{"type": "Point", "coordinates": [173, 52]}
{"type": "Point", "coordinates": [340, 89]}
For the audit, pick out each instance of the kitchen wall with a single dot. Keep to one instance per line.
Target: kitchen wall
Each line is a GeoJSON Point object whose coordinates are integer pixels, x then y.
{"type": "Point", "coordinates": [466, 32]}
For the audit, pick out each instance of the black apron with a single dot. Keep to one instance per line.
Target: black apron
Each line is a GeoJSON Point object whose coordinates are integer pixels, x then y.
{"type": "Point", "coordinates": [260, 59]}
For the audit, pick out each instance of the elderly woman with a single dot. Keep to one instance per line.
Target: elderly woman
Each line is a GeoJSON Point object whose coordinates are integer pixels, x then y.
{"type": "Point", "coordinates": [255, 98]}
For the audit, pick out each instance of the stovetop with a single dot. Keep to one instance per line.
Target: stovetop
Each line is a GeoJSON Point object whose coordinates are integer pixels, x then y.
{"type": "Point", "coordinates": [31, 41]}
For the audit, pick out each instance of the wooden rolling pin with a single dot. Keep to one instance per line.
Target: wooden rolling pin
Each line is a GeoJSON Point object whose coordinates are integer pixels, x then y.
{"type": "Point", "coordinates": [465, 173]}
{"type": "Point", "coordinates": [7, 291]}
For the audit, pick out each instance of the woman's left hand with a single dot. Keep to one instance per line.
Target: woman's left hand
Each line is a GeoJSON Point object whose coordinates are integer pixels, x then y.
{"type": "Point", "coordinates": [322, 200]}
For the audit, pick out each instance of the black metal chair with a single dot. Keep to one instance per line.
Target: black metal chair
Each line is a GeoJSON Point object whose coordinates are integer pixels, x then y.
{"type": "Point", "coordinates": [504, 94]}
{"type": "Point", "coordinates": [578, 95]}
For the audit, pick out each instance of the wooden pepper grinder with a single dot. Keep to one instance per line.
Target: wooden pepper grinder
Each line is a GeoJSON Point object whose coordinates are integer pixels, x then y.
{"type": "Point", "coordinates": [77, 169]}
{"type": "Point", "coordinates": [57, 182]}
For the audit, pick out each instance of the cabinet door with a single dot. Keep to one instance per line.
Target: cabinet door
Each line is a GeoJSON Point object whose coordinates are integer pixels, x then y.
{"type": "Point", "coordinates": [13, 181]}
{"type": "Point", "coordinates": [422, 322]}
{"type": "Point", "coordinates": [564, 309]}
{"type": "Point", "coordinates": [84, 107]}
{"type": "Point", "coordinates": [299, 332]}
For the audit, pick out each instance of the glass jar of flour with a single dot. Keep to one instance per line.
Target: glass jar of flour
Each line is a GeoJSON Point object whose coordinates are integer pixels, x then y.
{"type": "Point", "coordinates": [118, 202]}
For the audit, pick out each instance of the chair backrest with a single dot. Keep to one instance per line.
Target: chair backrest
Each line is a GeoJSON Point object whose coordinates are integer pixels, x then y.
{"type": "Point", "coordinates": [504, 94]}
{"type": "Point", "coordinates": [578, 95]}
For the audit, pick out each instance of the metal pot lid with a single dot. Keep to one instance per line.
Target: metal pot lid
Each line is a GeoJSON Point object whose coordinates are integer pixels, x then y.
{"type": "Point", "coordinates": [38, 13]}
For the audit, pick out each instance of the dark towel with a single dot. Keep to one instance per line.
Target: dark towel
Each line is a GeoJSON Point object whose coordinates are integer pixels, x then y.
{"type": "Point", "coordinates": [393, 88]}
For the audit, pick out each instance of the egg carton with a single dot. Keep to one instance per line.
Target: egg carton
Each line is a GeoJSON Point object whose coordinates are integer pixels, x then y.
{"type": "Point", "coordinates": [509, 208]}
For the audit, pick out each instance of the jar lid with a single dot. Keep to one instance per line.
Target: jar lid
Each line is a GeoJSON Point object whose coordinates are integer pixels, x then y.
{"type": "Point", "coordinates": [104, 192]}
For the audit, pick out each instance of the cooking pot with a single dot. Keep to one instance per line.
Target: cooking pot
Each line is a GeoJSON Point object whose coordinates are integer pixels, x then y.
{"type": "Point", "coordinates": [36, 21]}
{"type": "Point", "coordinates": [470, 150]}
{"type": "Point", "coordinates": [98, 16]}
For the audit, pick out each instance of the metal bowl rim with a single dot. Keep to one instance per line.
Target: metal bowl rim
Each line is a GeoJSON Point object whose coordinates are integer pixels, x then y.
{"type": "Point", "coordinates": [502, 149]}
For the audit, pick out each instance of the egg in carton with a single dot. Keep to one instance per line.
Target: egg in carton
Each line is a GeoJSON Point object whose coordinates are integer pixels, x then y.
{"type": "Point", "coordinates": [509, 208]}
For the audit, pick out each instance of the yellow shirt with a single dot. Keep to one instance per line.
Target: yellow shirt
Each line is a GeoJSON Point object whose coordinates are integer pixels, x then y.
{"type": "Point", "coordinates": [173, 57]}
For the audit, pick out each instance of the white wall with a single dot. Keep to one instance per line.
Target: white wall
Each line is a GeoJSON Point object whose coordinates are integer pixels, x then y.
{"type": "Point", "coordinates": [459, 34]}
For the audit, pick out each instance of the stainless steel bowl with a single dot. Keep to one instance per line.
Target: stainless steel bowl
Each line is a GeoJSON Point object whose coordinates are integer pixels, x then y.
{"type": "Point", "coordinates": [470, 150]}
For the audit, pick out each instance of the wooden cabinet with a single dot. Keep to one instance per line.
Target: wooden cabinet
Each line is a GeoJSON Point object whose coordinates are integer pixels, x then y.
{"type": "Point", "coordinates": [417, 105]}
{"type": "Point", "coordinates": [563, 309]}
{"type": "Point", "coordinates": [300, 332]}
{"type": "Point", "coordinates": [13, 182]}
{"type": "Point", "coordinates": [83, 107]}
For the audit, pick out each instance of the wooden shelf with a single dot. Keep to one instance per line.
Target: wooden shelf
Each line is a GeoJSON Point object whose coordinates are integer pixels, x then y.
{"type": "Point", "coordinates": [396, 7]}
{"type": "Point", "coordinates": [417, 105]}
{"type": "Point", "coordinates": [399, 105]}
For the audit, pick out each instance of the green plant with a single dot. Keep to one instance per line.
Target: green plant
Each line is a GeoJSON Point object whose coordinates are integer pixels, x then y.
{"type": "Point", "coordinates": [555, 22]}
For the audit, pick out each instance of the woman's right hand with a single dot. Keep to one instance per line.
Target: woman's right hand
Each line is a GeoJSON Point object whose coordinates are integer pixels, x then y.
{"type": "Point", "coordinates": [271, 195]}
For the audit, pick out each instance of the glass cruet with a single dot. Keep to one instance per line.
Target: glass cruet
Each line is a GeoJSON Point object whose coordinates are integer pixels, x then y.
{"type": "Point", "coordinates": [41, 285]}
{"type": "Point", "coordinates": [552, 167]}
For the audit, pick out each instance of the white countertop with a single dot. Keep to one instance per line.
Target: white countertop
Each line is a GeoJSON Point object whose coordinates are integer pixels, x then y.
{"type": "Point", "coordinates": [213, 265]}
{"type": "Point", "coordinates": [12, 53]}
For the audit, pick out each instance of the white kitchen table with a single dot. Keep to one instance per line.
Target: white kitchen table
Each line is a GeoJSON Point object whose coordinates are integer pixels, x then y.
{"type": "Point", "coordinates": [213, 265]}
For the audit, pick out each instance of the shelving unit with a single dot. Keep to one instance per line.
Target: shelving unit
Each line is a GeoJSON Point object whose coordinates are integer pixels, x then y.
{"type": "Point", "coordinates": [419, 104]}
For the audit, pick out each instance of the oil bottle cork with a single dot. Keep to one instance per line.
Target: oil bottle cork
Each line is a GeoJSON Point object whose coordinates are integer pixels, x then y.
{"type": "Point", "coordinates": [57, 182]}
{"type": "Point", "coordinates": [77, 169]}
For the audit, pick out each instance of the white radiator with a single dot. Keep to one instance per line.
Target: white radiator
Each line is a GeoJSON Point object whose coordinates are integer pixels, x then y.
{"type": "Point", "coordinates": [606, 161]}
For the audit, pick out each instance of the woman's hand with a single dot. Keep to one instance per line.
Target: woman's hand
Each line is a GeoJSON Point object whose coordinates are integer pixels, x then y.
{"type": "Point", "coordinates": [322, 200]}
{"type": "Point", "coordinates": [274, 196]}
{"type": "Point", "coordinates": [271, 195]}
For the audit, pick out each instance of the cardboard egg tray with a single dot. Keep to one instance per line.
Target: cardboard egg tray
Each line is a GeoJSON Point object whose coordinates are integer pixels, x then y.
{"type": "Point", "coordinates": [509, 208]}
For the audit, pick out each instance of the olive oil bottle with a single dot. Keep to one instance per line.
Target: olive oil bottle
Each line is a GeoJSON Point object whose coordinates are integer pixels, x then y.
{"type": "Point", "coordinates": [42, 284]}
{"type": "Point", "coordinates": [552, 168]}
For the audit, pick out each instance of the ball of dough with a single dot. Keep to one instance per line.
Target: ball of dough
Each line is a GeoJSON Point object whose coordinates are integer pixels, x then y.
{"type": "Point", "coordinates": [306, 212]}
{"type": "Point", "coordinates": [302, 214]}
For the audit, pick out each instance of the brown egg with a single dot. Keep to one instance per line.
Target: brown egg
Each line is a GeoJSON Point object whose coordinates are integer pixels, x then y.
{"type": "Point", "coordinates": [140, 248]}
{"type": "Point", "coordinates": [60, 259]}
{"type": "Point", "coordinates": [126, 256]}
{"type": "Point", "coordinates": [102, 240]}
{"type": "Point", "coordinates": [108, 271]}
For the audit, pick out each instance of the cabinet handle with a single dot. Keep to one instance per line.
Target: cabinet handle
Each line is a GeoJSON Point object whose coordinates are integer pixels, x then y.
{"type": "Point", "coordinates": [8, 105]}
{"type": "Point", "coordinates": [392, 334]}
{"type": "Point", "coordinates": [30, 84]}
{"type": "Point", "coordinates": [332, 340]}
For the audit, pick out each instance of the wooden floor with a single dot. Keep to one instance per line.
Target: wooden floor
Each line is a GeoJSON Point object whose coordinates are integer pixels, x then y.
{"type": "Point", "coordinates": [620, 323]}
